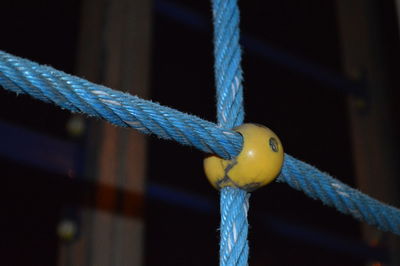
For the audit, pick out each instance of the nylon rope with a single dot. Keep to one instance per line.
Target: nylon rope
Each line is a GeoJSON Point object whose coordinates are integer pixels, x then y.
{"type": "Point", "coordinates": [234, 202]}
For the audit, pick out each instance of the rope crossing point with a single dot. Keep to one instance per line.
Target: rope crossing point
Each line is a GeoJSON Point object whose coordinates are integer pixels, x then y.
{"type": "Point", "coordinates": [78, 95]}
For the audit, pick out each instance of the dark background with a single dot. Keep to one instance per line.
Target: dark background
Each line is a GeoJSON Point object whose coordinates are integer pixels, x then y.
{"type": "Point", "coordinates": [309, 117]}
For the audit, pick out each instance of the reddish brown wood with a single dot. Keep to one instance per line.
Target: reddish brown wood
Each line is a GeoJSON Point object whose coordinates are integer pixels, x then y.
{"type": "Point", "coordinates": [372, 128]}
{"type": "Point", "coordinates": [114, 50]}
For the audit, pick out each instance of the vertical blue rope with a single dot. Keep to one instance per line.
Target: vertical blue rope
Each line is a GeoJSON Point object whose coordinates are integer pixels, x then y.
{"type": "Point", "coordinates": [234, 202]}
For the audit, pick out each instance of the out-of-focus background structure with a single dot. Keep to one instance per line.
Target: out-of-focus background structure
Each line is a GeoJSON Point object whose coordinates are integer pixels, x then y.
{"type": "Point", "coordinates": [78, 191]}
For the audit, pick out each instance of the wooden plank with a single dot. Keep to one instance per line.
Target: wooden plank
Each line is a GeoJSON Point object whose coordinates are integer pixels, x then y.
{"type": "Point", "coordinates": [372, 129]}
{"type": "Point", "coordinates": [114, 50]}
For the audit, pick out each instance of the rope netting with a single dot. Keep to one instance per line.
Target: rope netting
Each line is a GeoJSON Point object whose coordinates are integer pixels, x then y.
{"type": "Point", "coordinates": [78, 95]}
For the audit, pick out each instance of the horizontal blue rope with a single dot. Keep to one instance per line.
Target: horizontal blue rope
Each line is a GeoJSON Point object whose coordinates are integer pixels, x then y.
{"type": "Point", "coordinates": [332, 192]}
{"type": "Point", "coordinates": [78, 95]}
{"type": "Point", "coordinates": [122, 109]}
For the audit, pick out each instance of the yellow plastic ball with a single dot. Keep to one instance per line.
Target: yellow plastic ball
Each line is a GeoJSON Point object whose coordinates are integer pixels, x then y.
{"type": "Point", "coordinates": [259, 162]}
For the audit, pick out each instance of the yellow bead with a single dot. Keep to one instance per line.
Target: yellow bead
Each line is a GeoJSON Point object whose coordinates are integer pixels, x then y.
{"type": "Point", "coordinates": [259, 162]}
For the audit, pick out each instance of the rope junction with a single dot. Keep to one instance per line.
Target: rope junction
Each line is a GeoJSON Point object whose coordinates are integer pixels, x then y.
{"type": "Point", "coordinates": [122, 109]}
{"type": "Point", "coordinates": [78, 95]}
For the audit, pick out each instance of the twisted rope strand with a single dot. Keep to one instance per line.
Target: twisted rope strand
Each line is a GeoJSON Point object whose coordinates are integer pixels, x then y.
{"type": "Point", "coordinates": [234, 247]}
{"type": "Point", "coordinates": [122, 109]}
{"type": "Point", "coordinates": [332, 192]}
{"type": "Point", "coordinates": [234, 205]}
{"type": "Point", "coordinates": [141, 114]}
{"type": "Point", "coordinates": [228, 73]}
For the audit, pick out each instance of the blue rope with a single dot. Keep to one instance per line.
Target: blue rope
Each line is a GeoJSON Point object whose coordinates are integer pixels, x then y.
{"type": "Point", "coordinates": [332, 192]}
{"type": "Point", "coordinates": [234, 202]}
{"type": "Point", "coordinates": [78, 95]}
{"type": "Point", "coordinates": [122, 109]}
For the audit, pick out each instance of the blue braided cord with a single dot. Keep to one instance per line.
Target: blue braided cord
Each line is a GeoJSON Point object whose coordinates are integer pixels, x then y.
{"type": "Point", "coordinates": [228, 73]}
{"type": "Point", "coordinates": [234, 202]}
{"type": "Point", "coordinates": [234, 205]}
{"type": "Point", "coordinates": [332, 192]}
{"type": "Point", "coordinates": [122, 109]}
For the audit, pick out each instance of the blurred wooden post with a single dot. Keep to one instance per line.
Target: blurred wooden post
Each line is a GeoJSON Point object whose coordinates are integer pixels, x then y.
{"type": "Point", "coordinates": [372, 129]}
{"type": "Point", "coordinates": [114, 50]}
